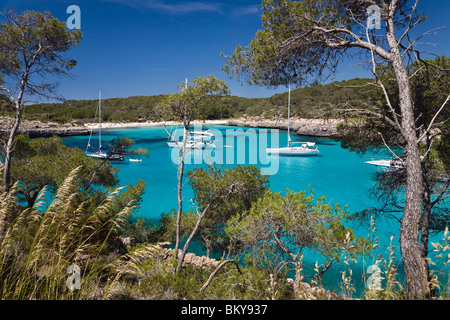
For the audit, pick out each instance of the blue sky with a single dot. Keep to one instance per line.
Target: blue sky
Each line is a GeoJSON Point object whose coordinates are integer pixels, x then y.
{"type": "Point", "coordinates": [148, 47]}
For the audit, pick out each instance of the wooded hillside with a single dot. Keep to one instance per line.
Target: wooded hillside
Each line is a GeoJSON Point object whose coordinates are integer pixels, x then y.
{"type": "Point", "coordinates": [316, 101]}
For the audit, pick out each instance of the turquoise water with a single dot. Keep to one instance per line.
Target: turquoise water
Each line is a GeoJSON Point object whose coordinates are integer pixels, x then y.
{"type": "Point", "coordinates": [341, 176]}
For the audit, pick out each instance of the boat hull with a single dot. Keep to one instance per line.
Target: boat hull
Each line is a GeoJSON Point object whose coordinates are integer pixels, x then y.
{"type": "Point", "coordinates": [103, 156]}
{"type": "Point", "coordinates": [197, 145]}
{"type": "Point", "coordinates": [293, 151]}
{"type": "Point", "coordinates": [387, 163]}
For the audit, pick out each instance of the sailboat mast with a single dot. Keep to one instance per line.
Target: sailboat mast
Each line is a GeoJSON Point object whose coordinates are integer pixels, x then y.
{"type": "Point", "coordinates": [184, 128]}
{"type": "Point", "coordinates": [289, 116]}
{"type": "Point", "coordinates": [100, 120]}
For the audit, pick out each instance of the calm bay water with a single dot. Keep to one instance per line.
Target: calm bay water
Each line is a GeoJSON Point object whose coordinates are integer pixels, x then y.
{"type": "Point", "coordinates": [341, 176]}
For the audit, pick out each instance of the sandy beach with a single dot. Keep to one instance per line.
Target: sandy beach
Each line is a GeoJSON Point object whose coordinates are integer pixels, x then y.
{"type": "Point", "coordinates": [308, 127]}
{"type": "Point", "coordinates": [116, 125]}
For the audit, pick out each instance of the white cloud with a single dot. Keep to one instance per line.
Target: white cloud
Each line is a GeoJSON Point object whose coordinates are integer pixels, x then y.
{"type": "Point", "coordinates": [247, 10]}
{"type": "Point", "coordinates": [172, 8]}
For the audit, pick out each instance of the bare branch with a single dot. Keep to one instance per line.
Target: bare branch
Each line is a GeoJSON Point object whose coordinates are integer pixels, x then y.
{"type": "Point", "coordinates": [3, 88]}
{"type": "Point", "coordinates": [386, 96]}
{"type": "Point", "coordinates": [434, 119]}
{"type": "Point", "coordinates": [211, 277]}
{"type": "Point", "coordinates": [410, 24]}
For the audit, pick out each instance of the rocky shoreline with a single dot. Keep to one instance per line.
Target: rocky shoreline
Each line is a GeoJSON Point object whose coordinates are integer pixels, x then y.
{"type": "Point", "coordinates": [307, 127]}
{"type": "Point", "coordinates": [36, 129]}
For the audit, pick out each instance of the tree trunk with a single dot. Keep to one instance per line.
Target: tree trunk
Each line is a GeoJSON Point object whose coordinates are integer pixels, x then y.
{"type": "Point", "coordinates": [191, 236]}
{"type": "Point", "coordinates": [180, 198]}
{"type": "Point", "coordinates": [207, 245]}
{"type": "Point", "coordinates": [415, 265]}
{"type": "Point", "coordinates": [425, 226]}
{"type": "Point", "coordinates": [9, 149]}
{"type": "Point", "coordinates": [298, 278]}
{"type": "Point", "coordinates": [211, 277]}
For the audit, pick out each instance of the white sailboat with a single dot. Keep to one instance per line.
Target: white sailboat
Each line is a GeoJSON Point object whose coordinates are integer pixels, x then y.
{"type": "Point", "coordinates": [99, 153]}
{"type": "Point", "coordinates": [201, 135]}
{"type": "Point", "coordinates": [305, 148]}
{"type": "Point", "coordinates": [192, 144]}
{"type": "Point", "coordinates": [194, 140]}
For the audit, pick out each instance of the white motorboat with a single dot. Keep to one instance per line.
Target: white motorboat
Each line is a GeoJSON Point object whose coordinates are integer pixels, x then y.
{"type": "Point", "coordinates": [305, 149]}
{"type": "Point", "coordinates": [192, 144]}
{"type": "Point", "coordinates": [201, 135]}
{"type": "Point", "coordinates": [387, 163]}
{"type": "Point", "coordinates": [195, 140]}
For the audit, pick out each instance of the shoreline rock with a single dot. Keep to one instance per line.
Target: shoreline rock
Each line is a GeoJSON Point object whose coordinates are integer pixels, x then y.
{"type": "Point", "coordinates": [37, 129]}
{"type": "Point", "coordinates": [306, 127]}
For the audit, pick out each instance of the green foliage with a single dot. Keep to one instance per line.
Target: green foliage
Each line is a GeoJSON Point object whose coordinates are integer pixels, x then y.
{"type": "Point", "coordinates": [143, 231]}
{"type": "Point", "coordinates": [430, 84]}
{"type": "Point", "coordinates": [39, 244]}
{"type": "Point", "coordinates": [255, 283]}
{"type": "Point", "coordinates": [122, 146]}
{"type": "Point", "coordinates": [376, 126]}
{"type": "Point", "coordinates": [186, 105]}
{"type": "Point", "coordinates": [226, 192]}
{"type": "Point", "coordinates": [46, 162]}
{"type": "Point", "coordinates": [317, 101]}
{"type": "Point", "coordinates": [291, 46]}
{"type": "Point", "coordinates": [443, 147]}
{"type": "Point", "coordinates": [168, 224]}
{"type": "Point", "coordinates": [132, 109]}
{"type": "Point", "coordinates": [281, 227]}
{"type": "Point", "coordinates": [31, 47]}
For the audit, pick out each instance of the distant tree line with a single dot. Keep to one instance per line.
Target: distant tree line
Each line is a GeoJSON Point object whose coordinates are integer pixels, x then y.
{"type": "Point", "coordinates": [317, 101]}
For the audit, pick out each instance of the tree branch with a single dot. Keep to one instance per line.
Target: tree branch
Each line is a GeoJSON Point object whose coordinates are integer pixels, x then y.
{"type": "Point", "coordinates": [434, 119]}
{"type": "Point", "coordinates": [211, 277]}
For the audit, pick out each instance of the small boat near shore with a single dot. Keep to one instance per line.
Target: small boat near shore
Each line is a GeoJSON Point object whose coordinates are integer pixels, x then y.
{"type": "Point", "coordinates": [305, 148]}
{"type": "Point", "coordinates": [195, 140]}
{"type": "Point", "coordinates": [105, 156]}
{"type": "Point", "coordinates": [99, 153]}
{"type": "Point", "coordinates": [387, 163]}
{"type": "Point", "coordinates": [192, 144]}
{"type": "Point", "coordinates": [202, 135]}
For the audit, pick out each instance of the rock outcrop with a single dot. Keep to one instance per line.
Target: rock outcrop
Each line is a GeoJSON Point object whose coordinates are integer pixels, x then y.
{"type": "Point", "coordinates": [192, 259]}
{"type": "Point", "coordinates": [307, 127]}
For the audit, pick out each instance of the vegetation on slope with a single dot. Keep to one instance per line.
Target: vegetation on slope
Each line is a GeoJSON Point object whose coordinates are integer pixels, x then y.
{"type": "Point", "coordinates": [317, 101]}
